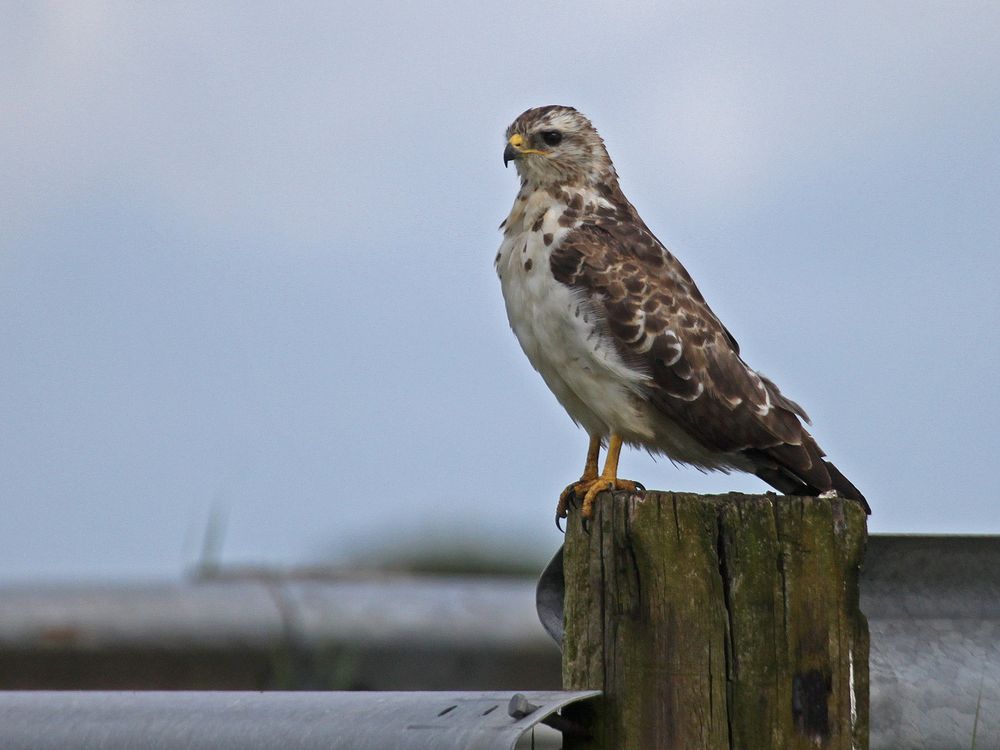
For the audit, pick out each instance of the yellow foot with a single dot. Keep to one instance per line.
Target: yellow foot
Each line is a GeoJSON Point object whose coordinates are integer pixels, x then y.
{"type": "Point", "coordinates": [599, 486]}
{"type": "Point", "coordinates": [577, 489]}
{"type": "Point", "coordinates": [588, 490]}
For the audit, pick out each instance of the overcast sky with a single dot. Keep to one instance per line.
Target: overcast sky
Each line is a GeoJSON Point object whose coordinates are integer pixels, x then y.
{"type": "Point", "coordinates": [246, 260]}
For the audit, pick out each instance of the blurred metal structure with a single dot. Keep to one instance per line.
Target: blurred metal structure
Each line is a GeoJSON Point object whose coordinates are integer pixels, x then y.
{"type": "Point", "coordinates": [933, 605]}
{"type": "Point", "coordinates": [287, 721]}
{"type": "Point", "coordinates": [264, 632]}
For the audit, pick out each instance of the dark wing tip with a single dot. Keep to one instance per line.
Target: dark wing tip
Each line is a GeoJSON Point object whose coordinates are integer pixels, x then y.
{"type": "Point", "coordinates": [782, 467]}
{"type": "Point", "coordinates": [845, 488]}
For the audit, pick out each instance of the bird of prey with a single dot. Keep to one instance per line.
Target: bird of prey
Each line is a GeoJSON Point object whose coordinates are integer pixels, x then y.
{"type": "Point", "coordinates": [621, 335]}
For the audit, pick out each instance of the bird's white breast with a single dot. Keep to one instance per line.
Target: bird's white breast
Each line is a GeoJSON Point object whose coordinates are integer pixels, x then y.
{"type": "Point", "coordinates": [557, 329]}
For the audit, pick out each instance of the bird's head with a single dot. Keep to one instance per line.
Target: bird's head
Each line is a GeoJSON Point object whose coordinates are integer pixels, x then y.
{"type": "Point", "coordinates": [557, 144]}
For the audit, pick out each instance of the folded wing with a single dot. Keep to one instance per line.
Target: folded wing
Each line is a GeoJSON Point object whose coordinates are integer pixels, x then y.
{"type": "Point", "coordinates": [661, 324]}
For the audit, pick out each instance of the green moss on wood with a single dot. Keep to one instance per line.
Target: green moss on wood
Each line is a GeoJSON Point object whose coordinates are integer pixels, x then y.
{"type": "Point", "coordinates": [727, 621]}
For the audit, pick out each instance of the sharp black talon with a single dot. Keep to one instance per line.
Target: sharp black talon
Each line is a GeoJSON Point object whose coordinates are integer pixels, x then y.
{"type": "Point", "coordinates": [585, 523]}
{"type": "Point", "coordinates": [559, 524]}
{"type": "Point", "coordinates": [640, 486]}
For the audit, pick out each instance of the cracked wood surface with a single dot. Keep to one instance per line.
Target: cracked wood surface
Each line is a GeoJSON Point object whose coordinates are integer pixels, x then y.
{"type": "Point", "coordinates": [726, 621]}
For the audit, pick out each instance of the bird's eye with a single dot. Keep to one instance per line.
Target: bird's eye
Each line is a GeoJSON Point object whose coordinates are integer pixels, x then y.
{"type": "Point", "coordinates": [551, 137]}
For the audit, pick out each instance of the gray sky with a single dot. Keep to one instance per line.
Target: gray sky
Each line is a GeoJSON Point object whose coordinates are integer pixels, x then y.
{"type": "Point", "coordinates": [246, 260]}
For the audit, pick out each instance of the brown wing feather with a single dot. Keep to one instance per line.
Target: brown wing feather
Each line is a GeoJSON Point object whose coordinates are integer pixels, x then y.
{"type": "Point", "coordinates": [660, 323]}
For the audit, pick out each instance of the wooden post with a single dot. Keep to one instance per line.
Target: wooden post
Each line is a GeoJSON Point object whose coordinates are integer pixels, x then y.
{"type": "Point", "coordinates": [718, 622]}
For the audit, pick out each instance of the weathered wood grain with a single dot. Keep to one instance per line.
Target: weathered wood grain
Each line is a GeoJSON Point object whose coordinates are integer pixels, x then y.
{"type": "Point", "coordinates": [718, 622]}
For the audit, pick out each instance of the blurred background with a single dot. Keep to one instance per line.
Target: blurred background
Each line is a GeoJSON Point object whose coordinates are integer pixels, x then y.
{"type": "Point", "coordinates": [248, 315]}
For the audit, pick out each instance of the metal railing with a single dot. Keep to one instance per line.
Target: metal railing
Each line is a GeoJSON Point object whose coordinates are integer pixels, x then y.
{"type": "Point", "coordinates": [259, 721]}
{"type": "Point", "coordinates": [933, 605]}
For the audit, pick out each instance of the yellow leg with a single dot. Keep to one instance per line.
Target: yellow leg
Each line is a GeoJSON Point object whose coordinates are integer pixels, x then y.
{"type": "Point", "coordinates": [609, 477]}
{"type": "Point", "coordinates": [589, 475]}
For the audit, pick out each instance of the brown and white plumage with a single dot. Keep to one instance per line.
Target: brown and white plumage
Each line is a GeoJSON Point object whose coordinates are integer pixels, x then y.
{"type": "Point", "coordinates": [620, 332]}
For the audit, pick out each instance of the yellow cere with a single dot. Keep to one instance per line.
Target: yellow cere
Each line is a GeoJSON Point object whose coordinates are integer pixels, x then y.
{"type": "Point", "coordinates": [517, 141]}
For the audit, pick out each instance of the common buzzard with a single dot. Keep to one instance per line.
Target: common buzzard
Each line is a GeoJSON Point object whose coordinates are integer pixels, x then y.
{"type": "Point", "coordinates": [621, 334]}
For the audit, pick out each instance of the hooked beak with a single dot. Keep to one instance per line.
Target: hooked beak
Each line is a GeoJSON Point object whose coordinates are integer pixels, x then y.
{"type": "Point", "coordinates": [513, 148]}
{"type": "Point", "coordinates": [509, 154]}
